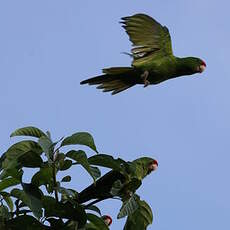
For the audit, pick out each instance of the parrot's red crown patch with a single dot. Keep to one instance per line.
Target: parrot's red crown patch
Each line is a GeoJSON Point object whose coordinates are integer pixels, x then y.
{"type": "Point", "coordinates": [155, 162]}
{"type": "Point", "coordinates": [152, 166]}
{"type": "Point", "coordinates": [203, 63]}
{"type": "Point", "coordinates": [108, 220]}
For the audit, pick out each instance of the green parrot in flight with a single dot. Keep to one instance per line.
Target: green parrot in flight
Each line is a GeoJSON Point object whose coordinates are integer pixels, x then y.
{"type": "Point", "coordinates": [153, 59]}
{"type": "Point", "coordinates": [130, 181]}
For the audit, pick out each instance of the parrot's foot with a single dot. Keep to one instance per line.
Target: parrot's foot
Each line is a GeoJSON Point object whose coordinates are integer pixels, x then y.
{"type": "Point", "coordinates": [144, 76]}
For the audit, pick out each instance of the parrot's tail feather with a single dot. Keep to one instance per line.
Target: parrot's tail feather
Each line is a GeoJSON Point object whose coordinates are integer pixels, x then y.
{"type": "Point", "coordinates": [116, 79]}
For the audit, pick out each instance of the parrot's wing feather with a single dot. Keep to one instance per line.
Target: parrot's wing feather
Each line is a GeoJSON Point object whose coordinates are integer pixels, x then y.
{"type": "Point", "coordinates": [147, 35]}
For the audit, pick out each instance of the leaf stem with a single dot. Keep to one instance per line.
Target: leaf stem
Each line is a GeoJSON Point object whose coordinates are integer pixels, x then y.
{"type": "Point", "coordinates": [55, 182]}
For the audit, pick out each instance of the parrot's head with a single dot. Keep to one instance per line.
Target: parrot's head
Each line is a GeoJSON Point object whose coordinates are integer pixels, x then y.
{"type": "Point", "coordinates": [107, 219]}
{"type": "Point", "coordinates": [147, 164]}
{"type": "Point", "coordinates": [152, 166]}
{"type": "Point", "coordinates": [201, 66]}
{"type": "Point", "coordinates": [191, 65]}
{"type": "Point", "coordinates": [196, 65]}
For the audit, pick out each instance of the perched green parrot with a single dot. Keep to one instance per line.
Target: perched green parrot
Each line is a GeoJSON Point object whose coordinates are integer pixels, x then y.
{"type": "Point", "coordinates": [153, 59]}
{"type": "Point", "coordinates": [130, 182]}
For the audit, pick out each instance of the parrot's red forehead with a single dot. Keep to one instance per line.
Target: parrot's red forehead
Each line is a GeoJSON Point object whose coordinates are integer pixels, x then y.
{"type": "Point", "coordinates": [108, 219]}
{"type": "Point", "coordinates": [155, 162]}
{"type": "Point", "coordinates": [203, 63]}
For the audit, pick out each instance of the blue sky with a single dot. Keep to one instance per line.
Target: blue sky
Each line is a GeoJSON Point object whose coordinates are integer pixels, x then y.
{"type": "Point", "coordinates": [48, 47]}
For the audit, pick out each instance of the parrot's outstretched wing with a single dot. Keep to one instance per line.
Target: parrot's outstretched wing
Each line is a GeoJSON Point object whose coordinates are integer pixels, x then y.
{"type": "Point", "coordinates": [148, 36]}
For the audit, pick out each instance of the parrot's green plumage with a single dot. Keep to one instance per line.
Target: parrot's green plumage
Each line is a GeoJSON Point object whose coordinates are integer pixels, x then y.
{"type": "Point", "coordinates": [153, 59]}
{"type": "Point", "coordinates": [130, 183]}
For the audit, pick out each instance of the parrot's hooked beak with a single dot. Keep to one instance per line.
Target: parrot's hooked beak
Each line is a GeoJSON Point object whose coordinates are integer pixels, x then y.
{"type": "Point", "coordinates": [107, 219]}
{"type": "Point", "coordinates": [201, 67]}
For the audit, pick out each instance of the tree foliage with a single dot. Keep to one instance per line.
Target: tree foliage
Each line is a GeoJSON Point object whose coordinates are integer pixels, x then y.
{"type": "Point", "coordinates": [45, 202]}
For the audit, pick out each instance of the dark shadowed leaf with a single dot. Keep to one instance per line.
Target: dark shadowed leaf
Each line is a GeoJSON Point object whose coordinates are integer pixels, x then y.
{"type": "Point", "coordinates": [66, 179]}
{"type": "Point", "coordinates": [128, 207]}
{"type": "Point", "coordinates": [95, 171]}
{"type": "Point", "coordinates": [69, 195]}
{"type": "Point", "coordinates": [65, 164]}
{"type": "Point", "coordinates": [141, 218]}
{"type": "Point", "coordinates": [8, 182]}
{"type": "Point", "coordinates": [57, 209]}
{"type": "Point", "coordinates": [29, 198]}
{"type": "Point", "coordinates": [30, 160]}
{"type": "Point", "coordinates": [13, 171]}
{"type": "Point", "coordinates": [25, 222]}
{"type": "Point", "coordinates": [4, 213]}
{"type": "Point", "coordinates": [47, 146]}
{"type": "Point", "coordinates": [23, 147]}
{"type": "Point", "coordinates": [94, 208]}
{"type": "Point", "coordinates": [43, 177]}
{"type": "Point", "coordinates": [66, 192]}
{"type": "Point", "coordinates": [8, 200]}
{"type": "Point", "coordinates": [33, 190]}
{"type": "Point", "coordinates": [81, 138]}
{"type": "Point", "coordinates": [81, 158]}
{"type": "Point", "coordinates": [2, 158]}
{"type": "Point", "coordinates": [11, 165]}
{"type": "Point", "coordinates": [28, 131]}
{"type": "Point", "coordinates": [97, 222]}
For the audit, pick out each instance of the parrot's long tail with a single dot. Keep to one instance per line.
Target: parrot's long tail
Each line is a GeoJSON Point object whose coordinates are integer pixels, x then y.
{"type": "Point", "coordinates": [115, 79]}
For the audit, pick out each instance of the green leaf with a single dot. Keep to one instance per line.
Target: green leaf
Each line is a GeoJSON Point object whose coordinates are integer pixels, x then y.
{"type": "Point", "coordinates": [69, 195]}
{"type": "Point", "coordinates": [12, 162]}
{"type": "Point", "coordinates": [30, 160]}
{"type": "Point", "coordinates": [4, 212]}
{"type": "Point", "coordinates": [2, 158]}
{"type": "Point", "coordinates": [106, 161]}
{"type": "Point", "coordinates": [23, 147]}
{"type": "Point", "coordinates": [47, 146]}
{"type": "Point", "coordinates": [81, 158]}
{"type": "Point", "coordinates": [28, 131]}
{"type": "Point", "coordinates": [128, 207]}
{"type": "Point", "coordinates": [66, 179]}
{"type": "Point", "coordinates": [97, 222]}
{"type": "Point", "coordinates": [32, 190]}
{"type": "Point", "coordinates": [8, 200]}
{"type": "Point", "coordinates": [27, 197]}
{"type": "Point", "coordinates": [10, 168]}
{"type": "Point", "coordinates": [81, 138]}
{"type": "Point", "coordinates": [95, 172]}
{"type": "Point", "coordinates": [43, 177]}
{"type": "Point", "coordinates": [66, 192]}
{"type": "Point", "coordinates": [25, 222]}
{"type": "Point", "coordinates": [141, 218]}
{"type": "Point", "coordinates": [57, 209]}
{"type": "Point", "coordinates": [8, 182]}
{"type": "Point", "coordinates": [65, 164]}
{"type": "Point", "coordinates": [93, 208]}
